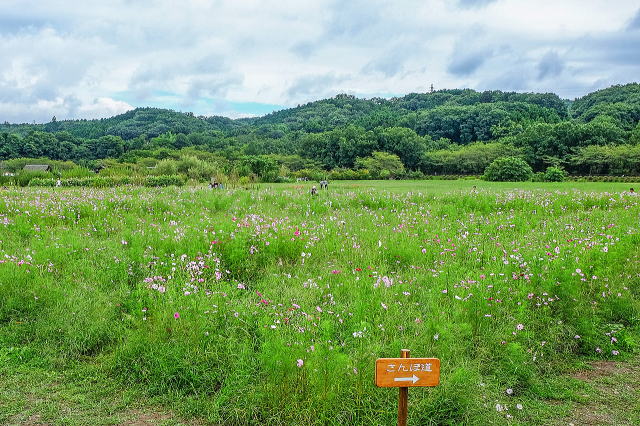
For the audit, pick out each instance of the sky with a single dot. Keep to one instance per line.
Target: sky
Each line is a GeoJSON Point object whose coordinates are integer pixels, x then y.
{"type": "Point", "coordinates": [238, 58]}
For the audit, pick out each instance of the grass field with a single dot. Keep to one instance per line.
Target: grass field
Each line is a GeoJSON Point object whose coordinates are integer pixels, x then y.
{"type": "Point", "coordinates": [269, 306]}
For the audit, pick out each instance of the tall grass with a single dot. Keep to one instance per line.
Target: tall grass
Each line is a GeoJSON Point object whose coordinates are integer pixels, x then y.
{"type": "Point", "coordinates": [270, 306]}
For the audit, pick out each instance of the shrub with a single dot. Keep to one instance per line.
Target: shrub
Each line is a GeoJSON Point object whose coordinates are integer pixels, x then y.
{"type": "Point", "coordinates": [94, 182]}
{"type": "Point", "coordinates": [76, 182]}
{"type": "Point", "coordinates": [23, 178]}
{"type": "Point", "coordinates": [538, 177]}
{"type": "Point", "coordinates": [164, 180]}
{"type": "Point", "coordinates": [311, 174]}
{"type": "Point", "coordinates": [42, 182]}
{"type": "Point", "coordinates": [415, 175]}
{"type": "Point", "coordinates": [508, 169]}
{"type": "Point", "coordinates": [385, 174]}
{"type": "Point", "coordinates": [166, 167]}
{"type": "Point", "coordinates": [76, 172]}
{"type": "Point", "coordinates": [554, 174]}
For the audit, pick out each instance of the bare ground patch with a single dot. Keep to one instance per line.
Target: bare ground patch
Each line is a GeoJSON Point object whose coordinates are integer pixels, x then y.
{"type": "Point", "coordinates": [611, 392]}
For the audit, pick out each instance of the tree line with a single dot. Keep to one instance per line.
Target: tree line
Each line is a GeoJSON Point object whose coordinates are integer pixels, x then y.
{"type": "Point", "coordinates": [444, 132]}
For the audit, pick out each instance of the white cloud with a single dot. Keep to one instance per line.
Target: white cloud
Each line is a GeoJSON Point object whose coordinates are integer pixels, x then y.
{"type": "Point", "coordinates": [101, 107]}
{"type": "Point", "coordinates": [96, 58]}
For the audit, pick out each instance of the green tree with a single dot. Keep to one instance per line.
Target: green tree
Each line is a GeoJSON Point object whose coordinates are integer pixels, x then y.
{"type": "Point", "coordinates": [554, 174]}
{"type": "Point", "coordinates": [106, 147]}
{"type": "Point", "coordinates": [382, 165]}
{"type": "Point", "coordinates": [405, 143]}
{"type": "Point", "coordinates": [508, 169]}
{"type": "Point", "coordinates": [634, 139]}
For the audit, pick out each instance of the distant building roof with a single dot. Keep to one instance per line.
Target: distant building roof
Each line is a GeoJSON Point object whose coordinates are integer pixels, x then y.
{"type": "Point", "coordinates": [37, 168]}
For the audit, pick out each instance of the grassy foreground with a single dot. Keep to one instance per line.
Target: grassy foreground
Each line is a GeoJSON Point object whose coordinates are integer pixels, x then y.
{"type": "Point", "coordinates": [270, 306]}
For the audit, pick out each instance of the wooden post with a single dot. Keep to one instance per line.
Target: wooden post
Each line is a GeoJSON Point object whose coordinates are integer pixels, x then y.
{"type": "Point", "coordinates": [403, 395]}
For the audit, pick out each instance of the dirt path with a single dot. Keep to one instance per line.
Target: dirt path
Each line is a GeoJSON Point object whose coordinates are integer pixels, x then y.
{"type": "Point", "coordinates": [611, 394]}
{"type": "Point", "coordinates": [32, 397]}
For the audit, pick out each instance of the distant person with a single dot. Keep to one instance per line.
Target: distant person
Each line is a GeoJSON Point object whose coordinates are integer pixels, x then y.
{"type": "Point", "coordinates": [474, 190]}
{"type": "Point", "coordinates": [314, 190]}
{"type": "Point", "coordinates": [632, 191]}
{"type": "Point", "coordinates": [324, 184]}
{"type": "Point", "coordinates": [58, 182]}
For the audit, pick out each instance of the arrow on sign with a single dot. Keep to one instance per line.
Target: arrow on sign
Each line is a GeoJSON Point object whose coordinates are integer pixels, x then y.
{"type": "Point", "coordinates": [413, 379]}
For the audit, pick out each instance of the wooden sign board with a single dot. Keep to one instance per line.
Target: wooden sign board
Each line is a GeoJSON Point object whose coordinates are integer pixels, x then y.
{"type": "Point", "coordinates": [407, 372]}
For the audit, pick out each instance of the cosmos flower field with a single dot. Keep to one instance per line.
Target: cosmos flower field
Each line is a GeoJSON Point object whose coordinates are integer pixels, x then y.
{"type": "Point", "coordinates": [270, 306]}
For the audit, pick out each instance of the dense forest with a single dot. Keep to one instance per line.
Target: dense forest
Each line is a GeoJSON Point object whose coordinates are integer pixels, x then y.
{"type": "Point", "coordinates": [442, 132]}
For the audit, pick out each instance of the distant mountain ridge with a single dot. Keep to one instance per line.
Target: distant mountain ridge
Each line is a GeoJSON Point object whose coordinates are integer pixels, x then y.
{"type": "Point", "coordinates": [342, 110]}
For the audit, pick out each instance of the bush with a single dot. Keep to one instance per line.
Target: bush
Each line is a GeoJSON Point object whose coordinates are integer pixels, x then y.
{"type": "Point", "coordinates": [24, 177]}
{"type": "Point", "coordinates": [42, 182]}
{"type": "Point", "coordinates": [166, 167]}
{"type": "Point", "coordinates": [94, 182]}
{"type": "Point", "coordinates": [164, 180]}
{"type": "Point", "coordinates": [76, 172]}
{"type": "Point", "coordinates": [538, 177]}
{"type": "Point", "coordinates": [311, 174]}
{"type": "Point", "coordinates": [554, 174]}
{"type": "Point", "coordinates": [415, 175]}
{"type": "Point", "coordinates": [508, 169]}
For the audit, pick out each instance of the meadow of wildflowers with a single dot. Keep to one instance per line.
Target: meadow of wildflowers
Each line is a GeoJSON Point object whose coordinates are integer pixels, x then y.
{"type": "Point", "coordinates": [270, 306]}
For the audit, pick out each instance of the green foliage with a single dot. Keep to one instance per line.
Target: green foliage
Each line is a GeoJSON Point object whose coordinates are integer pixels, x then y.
{"type": "Point", "coordinates": [628, 94]}
{"type": "Point", "coordinates": [634, 139]}
{"type": "Point", "coordinates": [23, 178]}
{"type": "Point", "coordinates": [508, 169]}
{"type": "Point", "coordinates": [166, 167]}
{"type": "Point", "coordinates": [554, 174]}
{"type": "Point", "coordinates": [443, 132]}
{"type": "Point", "coordinates": [469, 159]}
{"type": "Point", "coordinates": [164, 181]}
{"type": "Point", "coordinates": [110, 181]}
{"type": "Point", "coordinates": [42, 182]}
{"type": "Point", "coordinates": [345, 174]}
{"type": "Point", "coordinates": [608, 159]}
{"type": "Point", "coordinates": [382, 165]}
{"type": "Point", "coordinates": [76, 172]}
{"type": "Point", "coordinates": [205, 301]}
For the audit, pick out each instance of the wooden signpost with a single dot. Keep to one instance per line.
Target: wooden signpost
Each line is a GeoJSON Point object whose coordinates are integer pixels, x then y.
{"type": "Point", "coordinates": [405, 372]}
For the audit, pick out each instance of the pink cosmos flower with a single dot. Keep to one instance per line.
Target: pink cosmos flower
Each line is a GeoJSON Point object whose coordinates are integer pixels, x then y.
{"type": "Point", "coordinates": [300, 363]}
{"type": "Point", "coordinates": [176, 315]}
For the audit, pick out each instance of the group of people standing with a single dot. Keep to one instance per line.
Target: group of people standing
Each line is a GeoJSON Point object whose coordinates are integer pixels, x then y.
{"type": "Point", "coordinates": [324, 184]}
{"type": "Point", "coordinates": [215, 184]}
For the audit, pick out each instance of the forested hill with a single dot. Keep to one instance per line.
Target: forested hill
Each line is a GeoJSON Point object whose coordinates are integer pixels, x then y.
{"type": "Point", "coordinates": [312, 117]}
{"type": "Point", "coordinates": [140, 121]}
{"type": "Point", "coordinates": [446, 131]}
